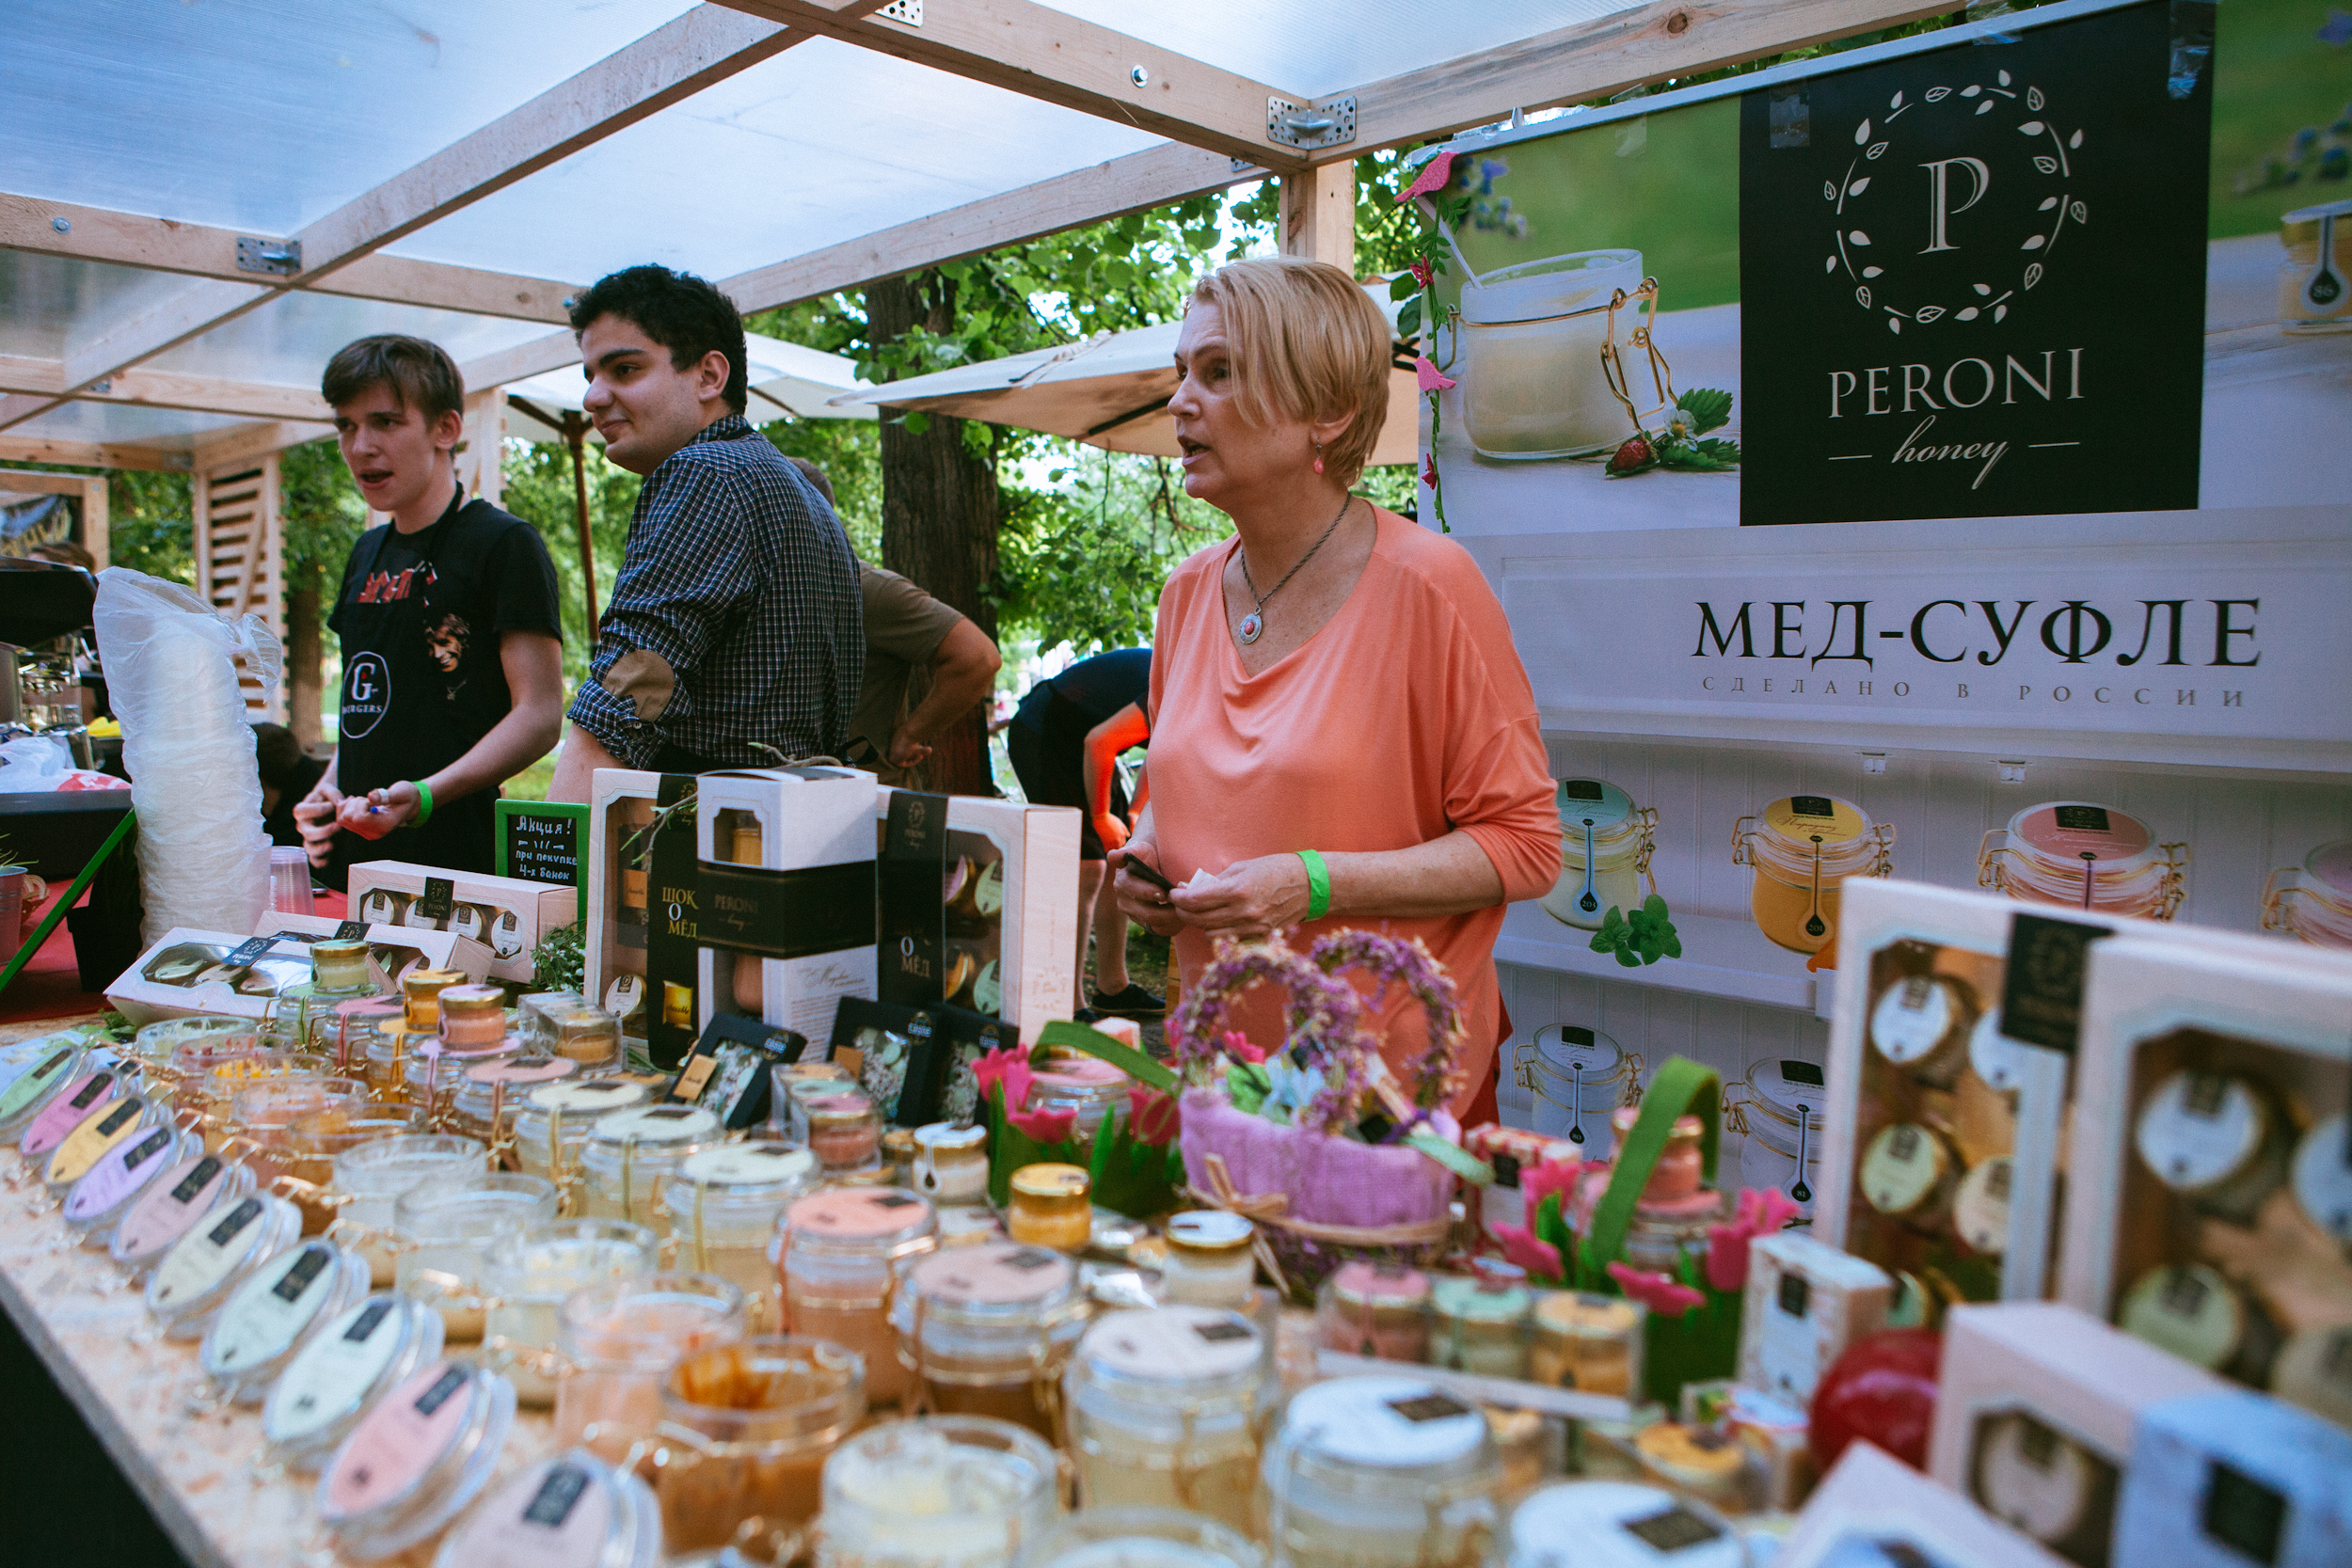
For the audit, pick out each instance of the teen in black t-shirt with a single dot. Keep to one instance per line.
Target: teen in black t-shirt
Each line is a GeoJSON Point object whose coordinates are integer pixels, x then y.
{"type": "Point", "coordinates": [452, 654]}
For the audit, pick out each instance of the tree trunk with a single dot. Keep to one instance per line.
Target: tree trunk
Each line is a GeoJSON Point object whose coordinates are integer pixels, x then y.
{"type": "Point", "coordinates": [940, 516]}
{"type": "Point", "coordinates": [306, 676]}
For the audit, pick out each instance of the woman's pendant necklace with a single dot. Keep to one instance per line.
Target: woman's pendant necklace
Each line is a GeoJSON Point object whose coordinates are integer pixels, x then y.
{"type": "Point", "coordinates": [1252, 626]}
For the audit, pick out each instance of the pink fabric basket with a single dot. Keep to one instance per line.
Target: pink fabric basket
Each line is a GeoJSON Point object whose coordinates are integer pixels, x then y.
{"type": "Point", "coordinates": [1329, 1181]}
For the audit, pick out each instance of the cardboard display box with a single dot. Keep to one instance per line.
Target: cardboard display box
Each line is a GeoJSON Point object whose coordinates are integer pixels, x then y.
{"type": "Point", "coordinates": [978, 905]}
{"type": "Point", "coordinates": [2209, 1199]}
{"type": "Point", "coordinates": [505, 916]}
{"type": "Point", "coordinates": [622, 804]}
{"type": "Point", "coordinates": [188, 972]}
{"type": "Point", "coordinates": [2034, 1411]}
{"type": "Point", "coordinates": [1981, 1091]}
{"type": "Point", "coordinates": [784, 925]}
{"type": "Point", "coordinates": [1873, 1508]}
{"type": "Point", "coordinates": [392, 950]}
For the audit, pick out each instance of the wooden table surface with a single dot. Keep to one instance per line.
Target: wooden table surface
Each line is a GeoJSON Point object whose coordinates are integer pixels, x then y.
{"type": "Point", "coordinates": [193, 1460]}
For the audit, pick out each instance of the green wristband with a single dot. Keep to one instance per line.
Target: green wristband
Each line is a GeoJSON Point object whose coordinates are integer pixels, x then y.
{"type": "Point", "coordinates": [424, 793]}
{"type": "Point", "coordinates": [1318, 884]}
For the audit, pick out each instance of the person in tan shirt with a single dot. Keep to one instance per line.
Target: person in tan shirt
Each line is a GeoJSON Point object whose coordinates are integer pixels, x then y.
{"type": "Point", "coordinates": [906, 629]}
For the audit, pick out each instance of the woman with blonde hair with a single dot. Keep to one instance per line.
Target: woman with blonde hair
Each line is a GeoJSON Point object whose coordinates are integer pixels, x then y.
{"type": "Point", "coordinates": [1342, 733]}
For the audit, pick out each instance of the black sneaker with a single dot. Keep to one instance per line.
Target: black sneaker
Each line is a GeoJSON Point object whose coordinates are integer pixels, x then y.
{"type": "Point", "coordinates": [1135, 1001]}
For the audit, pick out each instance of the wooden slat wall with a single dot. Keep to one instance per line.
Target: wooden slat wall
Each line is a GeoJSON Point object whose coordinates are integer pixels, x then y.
{"type": "Point", "coordinates": [240, 557]}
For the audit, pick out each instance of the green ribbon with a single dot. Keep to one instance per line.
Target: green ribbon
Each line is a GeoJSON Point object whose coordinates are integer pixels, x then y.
{"type": "Point", "coordinates": [1680, 1088]}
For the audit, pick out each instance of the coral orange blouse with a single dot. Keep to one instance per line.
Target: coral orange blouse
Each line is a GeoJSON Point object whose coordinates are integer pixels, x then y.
{"type": "Point", "coordinates": [1406, 716]}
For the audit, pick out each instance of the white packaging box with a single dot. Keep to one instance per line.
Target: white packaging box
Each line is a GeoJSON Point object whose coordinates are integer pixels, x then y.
{"type": "Point", "coordinates": [1880, 912]}
{"type": "Point", "coordinates": [621, 804]}
{"type": "Point", "coordinates": [2223, 1480]}
{"type": "Point", "coordinates": [428, 948]}
{"type": "Point", "coordinates": [1037, 941]}
{"type": "Point", "coordinates": [505, 916]}
{"type": "Point", "coordinates": [142, 998]}
{"type": "Point", "coordinates": [2153, 1009]}
{"type": "Point", "coordinates": [2035, 1406]}
{"type": "Point", "coordinates": [809, 822]}
{"type": "Point", "coordinates": [1806, 1303]}
{"type": "Point", "coordinates": [1873, 1508]}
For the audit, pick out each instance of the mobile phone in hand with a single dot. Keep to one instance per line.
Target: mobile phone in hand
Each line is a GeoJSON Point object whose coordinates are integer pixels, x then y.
{"type": "Point", "coordinates": [1148, 872]}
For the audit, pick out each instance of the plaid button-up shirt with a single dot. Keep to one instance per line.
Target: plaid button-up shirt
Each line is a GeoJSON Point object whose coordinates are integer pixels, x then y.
{"type": "Point", "coordinates": [735, 620]}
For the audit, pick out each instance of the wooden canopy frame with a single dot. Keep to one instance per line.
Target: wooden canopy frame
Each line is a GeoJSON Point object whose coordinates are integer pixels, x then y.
{"type": "Point", "coordinates": [1214, 119]}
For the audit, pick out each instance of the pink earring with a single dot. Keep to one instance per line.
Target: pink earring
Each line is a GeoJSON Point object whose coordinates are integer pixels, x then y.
{"type": "Point", "coordinates": [1318, 459]}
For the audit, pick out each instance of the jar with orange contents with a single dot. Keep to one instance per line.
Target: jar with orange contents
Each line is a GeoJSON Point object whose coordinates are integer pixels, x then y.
{"type": "Point", "coordinates": [985, 1330]}
{"type": "Point", "coordinates": [838, 1254]}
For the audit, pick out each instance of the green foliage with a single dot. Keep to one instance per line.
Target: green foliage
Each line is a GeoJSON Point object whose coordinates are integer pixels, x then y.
{"type": "Point", "coordinates": [1081, 559]}
{"type": "Point", "coordinates": [1644, 938]}
{"type": "Point", "coordinates": [1136, 1180]}
{"type": "Point", "coordinates": [540, 491]}
{"type": "Point", "coordinates": [150, 523]}
{"type": "Point", "coordinates": [560, 963]}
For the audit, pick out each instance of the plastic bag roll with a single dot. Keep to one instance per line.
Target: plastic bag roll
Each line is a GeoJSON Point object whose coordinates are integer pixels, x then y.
{"type": "Point", "coordinates": [187, 743]}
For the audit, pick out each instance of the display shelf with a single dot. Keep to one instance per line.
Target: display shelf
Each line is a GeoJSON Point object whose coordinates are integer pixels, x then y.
{"type": "Point", "coordinates": [1721, 957]}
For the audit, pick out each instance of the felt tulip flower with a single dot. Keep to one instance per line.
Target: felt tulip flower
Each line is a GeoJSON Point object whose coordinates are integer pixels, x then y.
{"type": "Point", "coordinates": [1761, 1211]}
{"type": "Point", "coordinates": [1537, 1182]}
{"type": "Point", "coordinates": [1433, 176]}
{"type": "Point", "coordinates": [1429, 377]}
{"type": "Point", "coordinates": [1541, 1260]}
{"type": "Point", "coordinates": [1044, 1127]}
{"type": "Point", "coordinates": [1655, 1290]}
{"type": "Point", "coordinates": [1238, 1047]}
{"type": "Point", "coordinates": [1152, 1118]}
{"type": "Point", "coordinates": [1008, 1067]}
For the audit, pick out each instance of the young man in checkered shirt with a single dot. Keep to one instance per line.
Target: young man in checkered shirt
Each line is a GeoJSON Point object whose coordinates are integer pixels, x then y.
{"type": "Point", "coordinates": [734, 637]}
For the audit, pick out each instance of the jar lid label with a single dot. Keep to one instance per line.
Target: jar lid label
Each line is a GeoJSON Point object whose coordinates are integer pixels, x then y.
{"type": "Point", "coordinates": [994, 1275]}
{"type": "Point", "coordinates": [858, 1211]}
{"type": "Point", "coordinates": [334, 1371]}
{"type": "Point", "coordinates": [2198, 1129]}
{"type": "Point", "coordinates": [1174, 1343]}
{"type": "Point", "coordinates": [398, 1442]}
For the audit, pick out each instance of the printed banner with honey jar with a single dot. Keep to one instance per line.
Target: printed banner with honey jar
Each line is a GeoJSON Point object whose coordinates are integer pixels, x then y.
{"type": "Point", "coordinates": [2088, 258]}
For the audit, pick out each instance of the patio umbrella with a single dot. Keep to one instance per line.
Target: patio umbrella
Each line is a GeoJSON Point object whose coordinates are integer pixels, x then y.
{"type": "Point", "coordinates": [786, 378]}
{"type": "Point", "coordinates": [1110, 392]}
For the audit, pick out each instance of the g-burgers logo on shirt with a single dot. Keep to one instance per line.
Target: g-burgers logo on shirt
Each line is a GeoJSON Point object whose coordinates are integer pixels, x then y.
{"type": "Point", "coordinates": [367, 694]}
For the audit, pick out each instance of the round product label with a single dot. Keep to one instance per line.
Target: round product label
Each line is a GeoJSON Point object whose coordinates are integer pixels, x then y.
{"type": "Point", "coordinates": [748, 1164]}
{"type": "Point", "coordinates": [507, 935]}
{"type": "Point", "coordinates": [2192, 1311]}
{"type": "Point", "coordinates": [2331, 866]}
{"type": "Point", "coordinates": [1795, 1088]}
{"type": "Point", "coordinates": [1593, 802]}
{"type": "Point", "coordinates": [988, 896]}
{"type": "Point", "coordinates": [2067, 830]}
{"type": "Point", "coordinates": [1384, 1422]}
{"type": "Point", "coordinates": [2198, 1129]}
{"type": "Point", "coordinates": [56, 1052]}
{"type": "Point", "coordinates": [2036, 1478]}
{"type": "Point", "coordinates": [995, 1275]}
{"type": "Point", "coordinates": [466, 921]}
{"type": "Point", "coordinates": [62, 1114]}
{"type": "Point", "coordinates": [556, 1514]}
{"type": "Point", "coordinates": [268, 1312]}
{"type": "Point", "coordinates": [1902, 1167]}
{"type": "Point", "coordinates": [163, 1212]}
{"type": "Point", "coordinates": [1614, 1524]}
{"type": "Point", "coordinates": [1173, 1343]}
{"type": "Point", "coordinates": [625, 996]}
{"type": "Point", "coordinates": [117, 1122]}
{"type": "Point", "coordinates": [2314, 1371]}
{"type": "Point", "coordinates": [1980, 1208]}
{"type": "Point", "coordinates": [1998, 1061]}
{"type": "Point", "coordinates": [597, 1095]}
{"type": "Point", "coordinates": [399, 1441]}
{"type": "Point", "coordinates": [201, 1259]}
{"type": "Point", "coordinates": [656, 1124]}
{"type": "Point", "coordinates": [382, 907]}
{"type": "Point", "coordinates": [1912, 1018]}
{"type": "Point", "coordinates": [2323, 1177]}
{"type": "Point", "coordinates": [1802, 818]}
{"type": "Point", "coordinates": [854, 1211]}
{"type": "Point", "coordinates": [125, 1168]}
{"type": "Point", "coordinates": [988, 991]}
{"type": "Point", "coordinates": [335, 1371]}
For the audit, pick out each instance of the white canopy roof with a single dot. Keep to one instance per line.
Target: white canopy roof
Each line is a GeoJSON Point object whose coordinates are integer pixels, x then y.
{"type": "Point", "coordinates": [785, 379]}
{"type": "Point", "coordinates": [202, 200]}
{"type": "Point", "coordinates": [1109, 391]}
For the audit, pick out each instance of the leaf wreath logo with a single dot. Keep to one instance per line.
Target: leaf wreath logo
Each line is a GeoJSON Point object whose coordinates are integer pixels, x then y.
{"type": "Point", "coordinates": [1956, 184]}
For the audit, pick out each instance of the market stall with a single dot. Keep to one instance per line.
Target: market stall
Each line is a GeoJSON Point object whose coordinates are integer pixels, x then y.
{"type": "Point", "coordinates": [1925, 1127]}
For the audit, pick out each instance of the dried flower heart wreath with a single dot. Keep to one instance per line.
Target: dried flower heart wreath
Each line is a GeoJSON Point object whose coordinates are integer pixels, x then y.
{"type": "Point", "coordinates": [1336, 1055]}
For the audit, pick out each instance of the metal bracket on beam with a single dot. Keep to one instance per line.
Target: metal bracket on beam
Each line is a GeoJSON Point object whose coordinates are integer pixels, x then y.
{"type": "Point", "coordinates": [1308, 126]}
{"type": "Point", "coordinates": [907, 12]}
{"type": "Point", "coordinates": [278, 258]}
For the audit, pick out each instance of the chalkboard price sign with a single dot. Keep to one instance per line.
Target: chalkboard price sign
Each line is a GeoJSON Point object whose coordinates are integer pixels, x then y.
{"type": "Point", "coordinates": [541, 841]}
